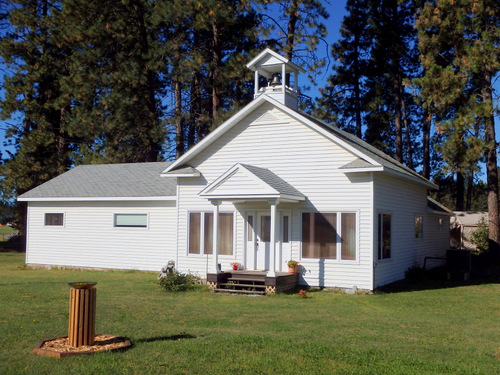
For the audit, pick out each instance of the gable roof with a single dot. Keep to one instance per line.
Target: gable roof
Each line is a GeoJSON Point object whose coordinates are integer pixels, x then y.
{"type": "Point", "coordinates": [370, 157]}
{"type": "Point", "coordinates": [131, 181]}
{"type": "Point", "coordinates": [243, 181]}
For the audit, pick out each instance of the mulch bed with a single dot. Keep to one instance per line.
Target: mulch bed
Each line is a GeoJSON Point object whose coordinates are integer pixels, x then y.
{"type": "Point", "coordinates": [60, 347]}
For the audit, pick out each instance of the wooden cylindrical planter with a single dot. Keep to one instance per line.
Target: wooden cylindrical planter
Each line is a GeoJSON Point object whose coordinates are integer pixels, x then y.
{"type": "Point", "coordinates": [81, 329]}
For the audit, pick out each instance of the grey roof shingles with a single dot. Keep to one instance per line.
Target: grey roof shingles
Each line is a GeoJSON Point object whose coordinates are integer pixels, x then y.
{"type": "Point", "coordinates": [276, 182]}
{"type": "Point", "coordinates": [108, 180]}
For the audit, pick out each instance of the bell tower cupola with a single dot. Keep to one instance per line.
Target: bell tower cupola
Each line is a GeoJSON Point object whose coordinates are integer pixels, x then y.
{"type": "Point", "coordinates": [281, 77]}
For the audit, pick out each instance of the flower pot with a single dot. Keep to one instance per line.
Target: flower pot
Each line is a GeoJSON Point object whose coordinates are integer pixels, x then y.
{"type": "Point", "coordinates": [292, 269]}
{"type": "Point", "coordinates": [235, 268]}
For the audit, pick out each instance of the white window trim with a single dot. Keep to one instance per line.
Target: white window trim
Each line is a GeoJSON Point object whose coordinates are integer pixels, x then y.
{"type": "Point", "coordinates": [338, 259]}
{"type": "Point", "coordinates": [202, 254]}
{"type": "Point", "coordinates": [125, 227]}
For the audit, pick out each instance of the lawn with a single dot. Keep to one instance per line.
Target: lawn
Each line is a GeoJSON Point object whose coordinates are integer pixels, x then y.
{"type": "Point", "coordinates": [452, 330]}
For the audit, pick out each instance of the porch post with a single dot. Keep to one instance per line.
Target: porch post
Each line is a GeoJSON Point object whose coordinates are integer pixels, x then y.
{"type": "Point", "coordinates": [272, 245]}
{"type": "Point", "coordinates": [215, 236]}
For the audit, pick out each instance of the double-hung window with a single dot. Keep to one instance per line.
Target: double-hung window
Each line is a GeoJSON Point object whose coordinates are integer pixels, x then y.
{"type": "Point", "coordinates": [329, 235]}
{"type": "Point", "coordinates": [201, 233]}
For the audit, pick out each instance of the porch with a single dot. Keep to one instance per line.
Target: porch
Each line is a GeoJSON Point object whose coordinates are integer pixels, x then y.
{"type": "Point", "coordinates": [251, 282]}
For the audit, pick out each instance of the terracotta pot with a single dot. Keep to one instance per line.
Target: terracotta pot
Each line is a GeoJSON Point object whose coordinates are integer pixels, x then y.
{"type": "Point", "coordinates": [292, 269]}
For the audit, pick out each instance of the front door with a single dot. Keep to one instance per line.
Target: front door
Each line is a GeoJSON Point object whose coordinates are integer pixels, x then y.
{"type": "Point", "coordinates": [262, 240]}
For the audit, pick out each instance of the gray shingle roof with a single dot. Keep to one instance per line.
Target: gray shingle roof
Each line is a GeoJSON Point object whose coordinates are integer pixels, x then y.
{"type": "Point", "coordinates": [276, 182]}
{"type": "Point", "coordinates": [108, 180]}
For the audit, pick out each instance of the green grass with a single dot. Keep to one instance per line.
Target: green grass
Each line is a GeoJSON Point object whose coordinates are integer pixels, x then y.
{"type": "Point", "coordinates": [454, 330]}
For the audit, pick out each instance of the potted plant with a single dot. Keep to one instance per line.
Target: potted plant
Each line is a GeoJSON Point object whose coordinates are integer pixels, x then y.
{"type": "Point", "coordinates": [292, 266]}
{"type": "Point", "coordinates": [236, 265]}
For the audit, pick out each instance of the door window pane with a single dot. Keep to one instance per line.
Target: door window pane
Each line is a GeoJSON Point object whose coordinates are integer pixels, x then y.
{"type": "Point", "coordinates": [265, 228]}
{"type": "Point", "coordinates": [250, 228]}
{"type": "Point", "coordinates": [285, 229]}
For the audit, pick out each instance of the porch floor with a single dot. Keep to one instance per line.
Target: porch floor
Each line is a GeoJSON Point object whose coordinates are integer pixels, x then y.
{"type": "Point", "coordinates": [251, 282]}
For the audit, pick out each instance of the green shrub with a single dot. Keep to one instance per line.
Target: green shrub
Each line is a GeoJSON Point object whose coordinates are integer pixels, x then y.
{"type": "Point", "coordinates": [480, 236]}
{"type": "Point", "coordinates": [178, 282]}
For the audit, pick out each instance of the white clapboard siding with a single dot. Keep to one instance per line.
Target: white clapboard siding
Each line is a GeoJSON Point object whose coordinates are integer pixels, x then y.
{"type": "Point", "coordinates": [305, 159]}
{"type": "Point", "coordinates": [403, 201]}
{"type": "Point", "coordinates": [88, 237]}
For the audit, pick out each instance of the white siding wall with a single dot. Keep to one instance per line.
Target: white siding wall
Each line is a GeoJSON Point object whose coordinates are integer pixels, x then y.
{"type": "Point", "coordinates": [404, 201]}
{"type": "Point", "coordinates": [305, 159]}
{"type": "Point", "coordinates": [89, 239]}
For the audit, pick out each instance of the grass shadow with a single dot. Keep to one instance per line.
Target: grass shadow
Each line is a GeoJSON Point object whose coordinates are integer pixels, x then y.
{"type": "Point", "coordinates": [484, 271]}
{"type": "Point", "coordinates": [181, 336]}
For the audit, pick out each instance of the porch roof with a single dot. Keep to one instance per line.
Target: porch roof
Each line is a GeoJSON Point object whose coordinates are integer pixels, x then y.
{"type": "Point", "coordinates": [248, 182]}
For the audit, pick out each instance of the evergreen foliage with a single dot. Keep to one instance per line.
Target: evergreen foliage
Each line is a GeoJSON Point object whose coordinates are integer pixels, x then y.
{"type": "Point", "coordinates": [459, 43]}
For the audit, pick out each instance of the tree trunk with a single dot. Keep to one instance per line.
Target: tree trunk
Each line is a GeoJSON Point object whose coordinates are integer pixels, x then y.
{"type": "Point", "coordinates": [179, 129]}
{"type": "Point", "coordinates": [408, 135]}
{"type": "Point", "coordinates": [460, 192]}
{"type": "Point", "coordinates": [216, 60]}
{"type": "Point", "coordinates": [397, 116]}
{"type": "Point", "coordinates": [426, 135]}
{"type": "Point", "coordinates": [491, 167]}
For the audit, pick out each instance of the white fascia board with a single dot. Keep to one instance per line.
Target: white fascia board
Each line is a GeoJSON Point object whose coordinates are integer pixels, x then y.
{"type": "Point", "coordinates": [252, 197]}
{"type": "Point", "coordinates": [187, 175]}
{"type": "Point", "coordinates": [360, 170]}
{"type": "Point", "coordinates": [97, 199]}
{"type": "Point", "coordinates": [210, 138]}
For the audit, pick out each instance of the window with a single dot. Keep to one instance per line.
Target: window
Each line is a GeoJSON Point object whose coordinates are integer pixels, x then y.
{"type": "Point", "coordinates": [321, 239]}
{"type": "Point", "coordinates": [285, 229]}
{"type": "Point", "coordinates": [384, 236]}
{"type": "Point", "coordinates": [131, 220]}
{"type": "Point", "coordinates": [348, 236]}
{"type": "Point", "coordinates": [54, 220]}
{"type": "Point", "coordinates": [201, 233]}
{"type": "Point", "coordinates": [250, 228]}
{"type": "Point", "coordinates": [419, 226]}
{"type": "Point", "coordinates": [440, 224]}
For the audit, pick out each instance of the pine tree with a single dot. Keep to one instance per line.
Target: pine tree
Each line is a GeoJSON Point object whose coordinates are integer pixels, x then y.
{"type": "Point", "coordinates": [33, 90]}
{"type": "Point", "coordinates": [343, 99]}
{"type": "Point", "coordinates": [459, 42]}
{"type": "Point", "coordinates": [295, 28]}
{"type": "Point", "coordinates": [114, 80]}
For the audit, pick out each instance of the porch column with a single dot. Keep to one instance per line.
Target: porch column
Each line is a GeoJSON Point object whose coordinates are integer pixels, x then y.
{"type": "Point", "coordinates": [272, 245]}
{"type": "Point", "coordinates": [215, 236]}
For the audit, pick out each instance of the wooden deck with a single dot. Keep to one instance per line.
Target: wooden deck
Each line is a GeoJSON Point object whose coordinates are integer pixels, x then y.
{"type": "Point", "coordinates": [251, 282]}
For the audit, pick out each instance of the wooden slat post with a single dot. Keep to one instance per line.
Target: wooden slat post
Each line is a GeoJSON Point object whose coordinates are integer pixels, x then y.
{"type": "Point", "coordinates": [81, 328]}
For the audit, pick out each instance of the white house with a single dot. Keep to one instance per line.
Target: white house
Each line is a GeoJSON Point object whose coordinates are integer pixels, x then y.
{"type": "Point", "coordinates": [269, 185]}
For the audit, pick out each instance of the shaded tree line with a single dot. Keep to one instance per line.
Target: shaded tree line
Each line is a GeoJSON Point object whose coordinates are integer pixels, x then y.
{"type": "Point", "coordinates": [414, 79]}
